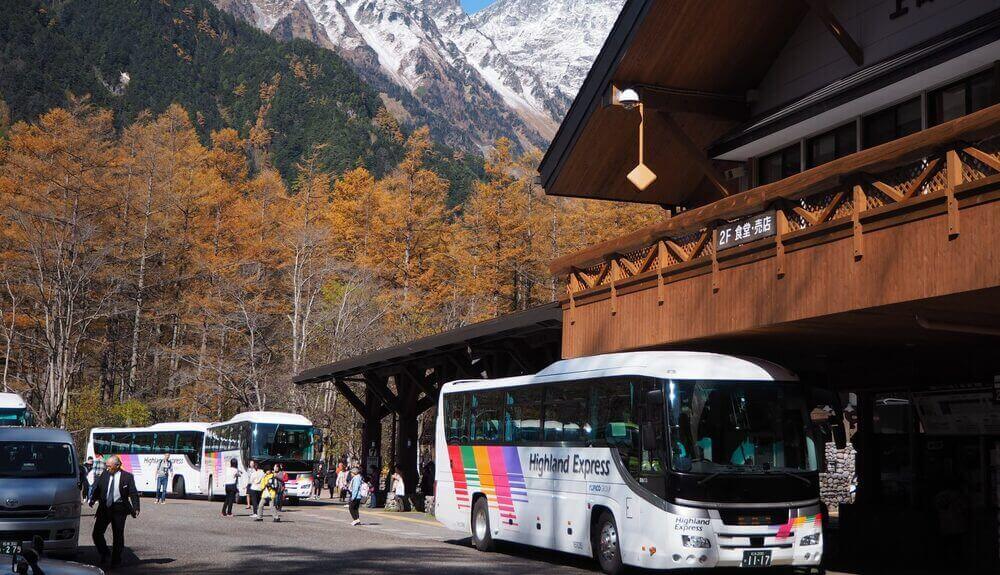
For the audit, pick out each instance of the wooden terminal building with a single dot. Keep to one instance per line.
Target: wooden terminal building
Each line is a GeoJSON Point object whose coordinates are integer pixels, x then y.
{"type": "Point", "coordinates": [829, 173]}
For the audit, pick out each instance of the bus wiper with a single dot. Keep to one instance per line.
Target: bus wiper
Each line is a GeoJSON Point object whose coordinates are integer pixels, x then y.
{"type": "Point", "coordinates": [709, 477]}
{"type": "Point", "coordinates": [790, 474]}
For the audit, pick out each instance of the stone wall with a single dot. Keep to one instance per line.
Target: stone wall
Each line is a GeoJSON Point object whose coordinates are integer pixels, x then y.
{"type": "Point", "coordinates": [837, 482]}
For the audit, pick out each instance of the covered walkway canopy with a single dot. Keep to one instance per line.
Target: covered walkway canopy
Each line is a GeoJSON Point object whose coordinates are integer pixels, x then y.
{"type": "Point", "coordinates": [405, 379]}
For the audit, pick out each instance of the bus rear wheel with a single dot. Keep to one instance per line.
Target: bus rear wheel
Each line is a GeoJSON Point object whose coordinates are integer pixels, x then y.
{"type": "Point", "coordinates": [606, 546]}
{"type": "Point", "coordinates": [482, 537]}
{"type": "Point", "coordinates": [180, 490]}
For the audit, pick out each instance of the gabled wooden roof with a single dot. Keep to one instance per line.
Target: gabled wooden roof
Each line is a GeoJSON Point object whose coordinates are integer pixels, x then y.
{"type": "Point", "coordinates": [717, 48]}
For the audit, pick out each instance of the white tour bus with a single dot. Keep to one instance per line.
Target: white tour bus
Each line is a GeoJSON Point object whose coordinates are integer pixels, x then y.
{"type": "Point", "coordinates": [141, 448]}
{"type": "Point", "coordinates": [14, 411]}
{"type": "Point", "coordinates": [662, 460]}
{"type": "Point", "coordinates": [267, 437]}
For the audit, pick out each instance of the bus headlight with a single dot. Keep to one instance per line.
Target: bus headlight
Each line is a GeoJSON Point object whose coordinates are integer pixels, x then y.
{"type": "Point", "coordinates": [66, 510]}
{"type": "Point", "coordinates": [695, 541]}
{"type": "Point", "coordinates": [810, 539]}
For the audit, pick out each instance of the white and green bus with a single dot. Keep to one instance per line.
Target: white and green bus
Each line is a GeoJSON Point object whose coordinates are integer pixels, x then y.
{"type": "Point", "coordinates": [267, 437]}
{"type": "Point", "coordinates": [14, 411]}
{"type": "Point", "coordinates": [661, 460]}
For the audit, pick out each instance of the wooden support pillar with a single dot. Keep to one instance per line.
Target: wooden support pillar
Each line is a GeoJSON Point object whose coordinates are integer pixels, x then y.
{"type": "Point", "coordinates": [406, 448]}
{"type": "Point", "coordinates": [715, 260]}
{"type": "Point", "coordinates": [781, 224]}
{"type": "Point", "coordinates": [860, 205]}
{"type": "Point", "coordinates": [954, 168]}
{"type": "Point", "coordinates": [661, 261]}
{"type": "Point", "coordinates": [371, 433]}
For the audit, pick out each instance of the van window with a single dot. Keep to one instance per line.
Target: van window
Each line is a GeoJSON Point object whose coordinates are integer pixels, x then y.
{"type": "Point", "coordinates": [36, 459]}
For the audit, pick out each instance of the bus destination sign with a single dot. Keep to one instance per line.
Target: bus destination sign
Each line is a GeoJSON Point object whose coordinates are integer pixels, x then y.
{"type": "Point", "coordinates": [747, 230]}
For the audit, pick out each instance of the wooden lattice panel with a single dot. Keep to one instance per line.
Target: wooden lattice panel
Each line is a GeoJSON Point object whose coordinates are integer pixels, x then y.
{"type": "Point", "coordinates": [921, 177]}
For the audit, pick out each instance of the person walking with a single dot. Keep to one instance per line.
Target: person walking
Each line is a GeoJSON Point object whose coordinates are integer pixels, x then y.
{"type": "Point", "coordinates": [355, 489]}
{"type": "Point", "coordinates": [98, 471]}
{"type": "Point", "coordinates": [232, 476]}
{"type": "Point", "coordinates": [88, 478]}
{"type": "Point", "coordinates": [331, 480]}
{"type": "Point", "coordinates": [270, 488]}
{"type": "Point", "coordinates": [399, 489]}
{"type": "Point", "coordinates": [342, 481]}
{"type": "Point", "coordinates": [279, 499]}
{"type": "Point", "coordinates": [117, 498]}
{"type": "Point", "coordinates": [319, 479]}
{"type": "Point", "coordinates": [254, 478]}
{"type": "Point", "coordinates": [164, 468]}
{"type": "Point", "coordinates": [373, 477]}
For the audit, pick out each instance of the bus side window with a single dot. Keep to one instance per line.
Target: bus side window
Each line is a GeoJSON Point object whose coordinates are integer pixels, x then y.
{"type": "Point", "coordinates": [525, 413]}
{"type": "Point", "coordinates": [615, 425]}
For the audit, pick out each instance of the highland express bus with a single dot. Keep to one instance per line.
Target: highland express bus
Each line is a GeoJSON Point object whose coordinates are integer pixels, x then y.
{"type": "Point", "coordinates": [267, 437]}
{"type": "Point", "coordinates": [662, 460]}
{"type": "Point", "coordinates": [14, 411]}
{"type": "Point", "coordinates": [142, 448]}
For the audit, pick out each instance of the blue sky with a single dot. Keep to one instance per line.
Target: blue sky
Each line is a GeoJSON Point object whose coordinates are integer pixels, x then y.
{"type": "Point", "coordinates": [475, 5]}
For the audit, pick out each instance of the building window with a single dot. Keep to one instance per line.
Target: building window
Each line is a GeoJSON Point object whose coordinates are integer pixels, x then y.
{"type": "Point", "coordinates": [834, 144]}
{"type": "Point", "coordinates": [779, 165]}
{"type": "Point", "coordinates": [961, 98]}
{"type": "Point", "coordinates": [891, 123]}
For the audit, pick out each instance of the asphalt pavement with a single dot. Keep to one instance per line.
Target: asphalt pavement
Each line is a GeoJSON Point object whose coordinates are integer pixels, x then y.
{"type": "Point", "coordinates": [190, 536]}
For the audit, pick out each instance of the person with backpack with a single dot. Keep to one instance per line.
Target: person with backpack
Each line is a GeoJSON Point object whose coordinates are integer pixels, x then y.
{"type": "Point", "coordinates": [270, 487]}
{"type": "Point", "coordinates": [355, 487]}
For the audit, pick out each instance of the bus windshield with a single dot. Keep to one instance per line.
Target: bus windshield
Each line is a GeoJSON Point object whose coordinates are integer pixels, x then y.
{"type": "Point", "coordinates": [14, 416]}
{"type": "Point", "coordinates": [739, 427]}
{"type": "Point", "coordinates": [276, 441]}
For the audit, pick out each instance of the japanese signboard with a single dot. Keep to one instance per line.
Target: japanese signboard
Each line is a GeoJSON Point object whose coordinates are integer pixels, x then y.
{"type": "Point", "coordinates": [745, 231]}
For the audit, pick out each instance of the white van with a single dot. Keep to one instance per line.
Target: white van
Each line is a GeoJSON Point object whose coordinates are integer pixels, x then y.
{"type": "Point", "coordinates": [39, 489]}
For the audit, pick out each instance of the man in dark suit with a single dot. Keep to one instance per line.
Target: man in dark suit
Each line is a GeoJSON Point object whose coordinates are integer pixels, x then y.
{"type": "Point", "coordinates": [117, 498]}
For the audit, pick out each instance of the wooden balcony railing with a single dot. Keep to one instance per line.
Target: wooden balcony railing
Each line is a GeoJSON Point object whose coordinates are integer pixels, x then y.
{"type": "Point", "coordinates": [842, 197]}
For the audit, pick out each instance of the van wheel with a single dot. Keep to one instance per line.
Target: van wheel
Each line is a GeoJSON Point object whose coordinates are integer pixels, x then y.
{"type": "Point", "coordinates": [482, 537]}
{"type": "Point", "coordinates": [211, 488]}
{"type": "Point", "coordinates": [606, 545]}
{"type": "Point", "coordinates": [180, 490]}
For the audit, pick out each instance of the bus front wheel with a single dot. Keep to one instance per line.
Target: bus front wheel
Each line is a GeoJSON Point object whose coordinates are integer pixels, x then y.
{"type": "Point", "coordinates": [606, 545]}
{"type": "Point", "coordinates": [482, 537]}
{"type": "Point", "coordinates": [180, 490]}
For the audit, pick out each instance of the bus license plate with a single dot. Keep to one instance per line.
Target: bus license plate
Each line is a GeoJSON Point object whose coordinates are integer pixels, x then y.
{"type": "Point", "coordinates": [9, 547]}
{"type": "Point", "coordinates": [756, 559]}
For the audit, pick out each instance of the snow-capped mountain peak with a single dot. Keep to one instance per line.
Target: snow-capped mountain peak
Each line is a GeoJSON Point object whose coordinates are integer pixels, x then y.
{"type": "Point", "coordinates": [510, 70]}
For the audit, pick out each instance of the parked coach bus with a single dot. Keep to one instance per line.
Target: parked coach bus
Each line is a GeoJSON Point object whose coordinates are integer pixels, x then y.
{"type": "Point", "coordinates": [14, 411]}
{"type": "Point", "coordinates": [141, 448]}
{"type": "Point", "coordinates": [661, 460]}
{"type": "Point", "coordinates": [267, 437]}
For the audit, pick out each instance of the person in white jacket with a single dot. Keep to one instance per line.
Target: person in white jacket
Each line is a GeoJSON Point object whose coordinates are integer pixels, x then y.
{"type": "Point", "coordinates": [255, 476]}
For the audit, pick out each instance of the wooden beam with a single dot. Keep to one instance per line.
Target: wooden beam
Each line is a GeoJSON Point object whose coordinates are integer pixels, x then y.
{"type": "Point", "coordinates": [349, 395]}
{"type": "Point", "coordinates": [837, 29]}
{"type": "Point", "coordinates": [695, 153]}
{"type": "Point", "coordinates": [983, 157]}
{"type": "Point", "coordinates": [376, 385]}
{"type": "Point", "coordinates": [419, 381]}
{"type": "Point", "coordinates": [667, 99]}
{"type": "Point", "coordinates": [973, 127]}
{"type": "Point", "coordinates": [915, 186]}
